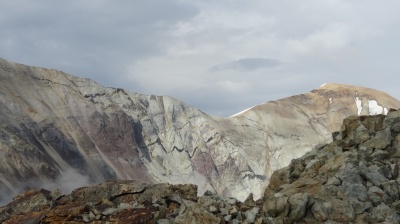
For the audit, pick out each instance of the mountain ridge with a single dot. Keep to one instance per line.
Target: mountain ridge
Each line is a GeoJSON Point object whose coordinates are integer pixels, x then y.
{"type": "Point", "coordinates": [56, 126]}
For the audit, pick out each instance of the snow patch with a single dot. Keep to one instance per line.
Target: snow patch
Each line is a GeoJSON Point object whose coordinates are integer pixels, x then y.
{"type": "Point", "coordinates": [330, 100]}
{"type": "Point", "coordinates": [241, 112]}
{"type": "Point", "coordinates": [374, 108]}
{"type": "Point", "coordinates": [359, 105]}
{"type": "Point", "coordinates": [323, 85]}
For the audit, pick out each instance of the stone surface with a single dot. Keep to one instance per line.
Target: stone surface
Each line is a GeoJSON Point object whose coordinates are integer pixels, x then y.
{"type": "Point", "coordinates": [122, 202]}
{"type": "Point", "coordinates": [352, 185]}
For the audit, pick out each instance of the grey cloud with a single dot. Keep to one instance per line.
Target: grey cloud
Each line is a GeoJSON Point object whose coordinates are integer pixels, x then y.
{"type": "Point", "coordinates": [164, 47]}
{"type": "Point", "coordinates": [94, 39]}
{"type": "Point", "coordinates": [246, 64]}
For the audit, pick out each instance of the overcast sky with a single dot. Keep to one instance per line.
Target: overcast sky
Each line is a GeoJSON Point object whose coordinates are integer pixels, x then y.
{"type": "Point", "coordinates": [219, 56]}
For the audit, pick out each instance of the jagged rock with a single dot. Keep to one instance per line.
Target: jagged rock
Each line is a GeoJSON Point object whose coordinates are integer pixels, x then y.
{"type": "Point", "coordinates": [358, 191]}
{"type": "Point", "coordinates": [175, 198]}
{"type": "Point", "coordinates": [228, 218]}
{"type": "Point", "coordinates": [354, 184]}
{"type": "Point", "coordinates": [360, 207]}
{"type": "Point", "coordinates": [207, 201]}
{"type": "Point", "coordinates": [298, 205]}
{"type": "Point", "coordinates": [251, 214]}
{"type": "Point", "coordinates": [320, 210]}
{"type": "Point", "coordinates": [224, 211]}
{"type": "Point", "coordinates": [383, 213]}
{"type": "Point", "coordinates": [392, 189]}
{"type": "Point", "coordinates": [231, 200]}
{"type": "Point", "coordinates": [127, 202]}
{"type": "Point", "coordinates": [213, 209]}
{"type": "Point", "coordinates": [379, 141]}
{"type": "Point", "coordinates": [163, 221]}
{"type": "Point", "coordinates": [235, 221]}
{"type": "Point", "coordinates": [377, 195]}
{"type": "Point", "coordinates": [396, 206]}
{"type": "Point", "coordinates": [375, 175]}
{"type": "Point", "coordinates": [249, 202]}
{"type": "Point", "coordinates": [342, 211]}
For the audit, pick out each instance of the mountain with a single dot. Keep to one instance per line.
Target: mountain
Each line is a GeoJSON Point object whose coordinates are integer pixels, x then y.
{"type": "Point", "coordinates": [353, 179]}
{"type": "Point", "coordinates": [62, 131]}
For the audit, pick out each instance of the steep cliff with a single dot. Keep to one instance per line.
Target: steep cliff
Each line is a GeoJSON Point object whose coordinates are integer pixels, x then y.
{"type": "Point", "coordinates": [354, 179]}
{"type": "Point", "coordinates": [65, 131]}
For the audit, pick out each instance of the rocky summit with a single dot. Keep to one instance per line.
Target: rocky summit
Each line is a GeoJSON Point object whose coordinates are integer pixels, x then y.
{"type": "Point", "coordinates": [58, 130]}
{"type": "Point", "coordinates": [354, 179]}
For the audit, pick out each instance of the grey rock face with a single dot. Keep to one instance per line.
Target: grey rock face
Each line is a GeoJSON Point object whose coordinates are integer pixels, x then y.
{"type": "Point", "coordinates": [353, 185]}
{"type": "Point", "coordinates": [298, 203]}
{"type": "Point", "coordinates": [64, 131]}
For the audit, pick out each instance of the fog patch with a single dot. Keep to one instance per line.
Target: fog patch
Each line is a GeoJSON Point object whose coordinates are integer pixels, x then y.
{"type": "Point", "coordinates": [66, 183]}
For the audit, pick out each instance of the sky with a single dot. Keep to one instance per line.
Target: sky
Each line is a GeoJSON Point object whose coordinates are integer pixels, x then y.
{"type": "Point", "coordinates": [218, 56]}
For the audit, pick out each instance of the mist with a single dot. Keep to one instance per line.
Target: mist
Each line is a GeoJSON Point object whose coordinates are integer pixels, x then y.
{"type": "Point", "coordinates": [66, 183]}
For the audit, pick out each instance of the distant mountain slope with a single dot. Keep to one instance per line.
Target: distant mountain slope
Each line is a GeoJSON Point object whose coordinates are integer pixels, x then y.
{"type": "Point", "coordinates": [354, 179]}
{"type": "Point", "coordinates": [59, 128]}
{"type": "Point", "coordinates": [296, 124]}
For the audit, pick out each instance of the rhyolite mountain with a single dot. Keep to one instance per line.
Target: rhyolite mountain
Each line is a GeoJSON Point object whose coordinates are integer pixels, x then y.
{"type": "Point", "coordinates": [353, 179]}
{"type": "Point", "coordinates": [58, 128]}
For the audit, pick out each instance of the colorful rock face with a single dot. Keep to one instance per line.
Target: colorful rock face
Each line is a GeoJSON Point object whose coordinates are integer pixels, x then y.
{"type": "Point", "coordinates": [354, 179]}
{"type": "Point", "coordinates": [57, 130]}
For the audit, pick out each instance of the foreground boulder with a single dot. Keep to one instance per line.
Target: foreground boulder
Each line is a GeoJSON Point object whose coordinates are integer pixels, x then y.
{"type": "Point", "coordinates": [354, 179]}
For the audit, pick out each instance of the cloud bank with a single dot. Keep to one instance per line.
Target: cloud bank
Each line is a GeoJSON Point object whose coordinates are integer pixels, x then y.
{"type": "Point", "coordinates": [197, 51]}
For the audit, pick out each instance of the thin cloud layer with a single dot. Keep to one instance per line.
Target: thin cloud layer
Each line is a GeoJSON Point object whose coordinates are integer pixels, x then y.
{"type": "Point", "coordinates": [246, 64]}
{"type": "Point", "coordinates": [220, 56]}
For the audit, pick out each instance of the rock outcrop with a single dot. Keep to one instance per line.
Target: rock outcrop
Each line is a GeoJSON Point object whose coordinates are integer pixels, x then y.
{"type": "Point", "coordinates": [57, 130]}
{"type": "Point", "coordinates": [354, 179]}
{"type": "Point", "coordinates": [129, 202]}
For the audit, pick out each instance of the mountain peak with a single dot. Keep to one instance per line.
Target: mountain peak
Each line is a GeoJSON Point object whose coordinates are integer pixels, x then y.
{"type": "Point", "coordinates": [335, 86]}
{"type": "Point", "coordinates": [353, 89]}
{"type": "Point", "coordinates": [331, 85]}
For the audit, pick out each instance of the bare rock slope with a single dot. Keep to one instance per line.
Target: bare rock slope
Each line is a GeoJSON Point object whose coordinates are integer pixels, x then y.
{"type": "Point", "coordinates": [354, 179]}
{"type": "Point", "coordinates": [57, 128]}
